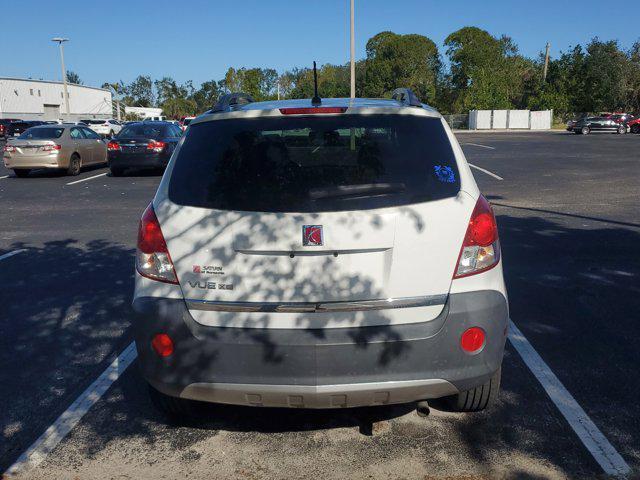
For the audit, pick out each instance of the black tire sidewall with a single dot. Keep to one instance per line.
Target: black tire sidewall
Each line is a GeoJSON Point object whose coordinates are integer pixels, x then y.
{"type": "Point", "coordinates": [72, 170]}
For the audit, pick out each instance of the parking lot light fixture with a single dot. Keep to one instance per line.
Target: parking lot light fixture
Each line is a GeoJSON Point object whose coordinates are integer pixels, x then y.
{"type": "Point", "coordinates": [60, 41]}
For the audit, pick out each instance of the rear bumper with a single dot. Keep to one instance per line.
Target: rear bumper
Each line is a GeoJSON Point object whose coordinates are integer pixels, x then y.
{"type": "Point", "coordinates": [321, 368]}
{"type": "Point", "coordinates": [53, 160]}
{"type": "Point", "coordinates": [138, 160]}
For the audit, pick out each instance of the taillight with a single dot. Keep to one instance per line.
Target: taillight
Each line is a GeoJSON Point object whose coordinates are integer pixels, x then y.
{"type": "Point", "coordinates": [1, 129]}
{"type": "Point", "coordinates": [152, 256]}
{"type": "Point", "coordinates": [51, 148]}
{"type": "Point", "coordinates": [156, 146]}
{"type": "Point", "coordinates": [113, 146]}
{"type": "Point", "coordinates": [480, 249]}
{"type": "Point", "coordinates": [9, 148]}
{"type": "Point", "coordinates": [312, 110]}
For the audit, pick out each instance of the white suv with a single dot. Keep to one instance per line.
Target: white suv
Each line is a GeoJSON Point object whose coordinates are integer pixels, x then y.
{"type": "Point", "coordinates": [106, 128]}
{"type": "Point", "coordinates": [319, 255]}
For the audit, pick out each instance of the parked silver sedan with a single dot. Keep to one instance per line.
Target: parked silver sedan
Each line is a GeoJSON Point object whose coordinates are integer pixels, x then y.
{"type": "Point", "coordinates": [63, 146]}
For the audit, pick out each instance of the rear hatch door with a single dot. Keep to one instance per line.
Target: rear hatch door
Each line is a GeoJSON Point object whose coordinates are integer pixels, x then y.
{"type": "Point", "coordinates": [315, 210]}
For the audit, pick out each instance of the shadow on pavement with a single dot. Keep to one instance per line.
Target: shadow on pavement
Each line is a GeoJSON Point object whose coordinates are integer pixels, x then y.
{"type": "Point", "coordinates": [572, 291]}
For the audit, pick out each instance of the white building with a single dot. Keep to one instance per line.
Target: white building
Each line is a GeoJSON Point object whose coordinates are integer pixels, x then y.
{"type": "Point", "coordinates": [44, 100]}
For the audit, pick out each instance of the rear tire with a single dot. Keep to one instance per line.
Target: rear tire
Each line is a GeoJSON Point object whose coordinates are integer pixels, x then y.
{"type": "Point", "coordinates": [585, 130]}
{"type": "Point", "coordinates": [477, 398]}
{"type": "Point", "coordinates": [116, 172]}
{"type": "Point", "coordinates": [635, 128]}
{"type": "Point", "coordinates": [21, 172]}
{"type": "Point", "coordinates": [622, 130]}
{"type": "Point", "coordinates": [75, 164]}
{"type": "Point", "coordinates": [172, 407]}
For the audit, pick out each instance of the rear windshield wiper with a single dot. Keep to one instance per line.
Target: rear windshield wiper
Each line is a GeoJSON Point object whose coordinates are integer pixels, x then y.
{"type": "Point", "coordinates": [363, 190]}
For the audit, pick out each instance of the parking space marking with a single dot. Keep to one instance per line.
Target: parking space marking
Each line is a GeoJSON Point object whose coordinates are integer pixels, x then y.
{"type": "Point", "coordinates": [4, 176]}
{"type": "Point", "coordinates": [591, 437]}
{"type": "Point", "coordinates": [486, 171]}
{"type": "Point", "coordinates": [53, 435]}
{"type": "Point", "coordinates": [11, 254]}
{"type": "Point", "coordinates": [479, 145]}
{"type": "Point", "coordinates": [88, 178]}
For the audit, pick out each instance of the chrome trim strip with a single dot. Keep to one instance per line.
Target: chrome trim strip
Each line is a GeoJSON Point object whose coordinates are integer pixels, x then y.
{"type": "Point", "coordinates": [309, 307]}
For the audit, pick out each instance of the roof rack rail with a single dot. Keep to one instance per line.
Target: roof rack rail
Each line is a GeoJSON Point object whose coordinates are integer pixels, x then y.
{"type": "Point", "coordinates": [406, 96]}
{"type": "Point", "coordinates": [227, 102]}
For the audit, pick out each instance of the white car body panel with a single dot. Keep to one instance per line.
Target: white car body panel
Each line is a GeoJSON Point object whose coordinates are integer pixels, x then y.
{"type": "Point", "coordinates": [394, 252]}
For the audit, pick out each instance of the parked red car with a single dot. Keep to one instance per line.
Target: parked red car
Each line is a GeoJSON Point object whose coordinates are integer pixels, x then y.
{"type": "Point", "coordinates": [634, 125]}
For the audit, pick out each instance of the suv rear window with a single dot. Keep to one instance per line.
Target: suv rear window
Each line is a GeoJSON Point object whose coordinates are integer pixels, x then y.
{"type": "Point", "coordinates": [314, 164]}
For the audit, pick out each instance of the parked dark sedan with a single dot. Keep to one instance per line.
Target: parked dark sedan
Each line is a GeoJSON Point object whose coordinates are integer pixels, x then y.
{"type": "Point", "coordinates": [15, 129]}
{"type": "Point", "coordinates": [598, 124]}
{"type": "Point", "coordinates": [142, 145]}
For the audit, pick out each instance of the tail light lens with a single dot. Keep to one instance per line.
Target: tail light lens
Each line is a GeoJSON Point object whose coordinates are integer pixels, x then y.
{"type": "Point", "coordinates": [481, 248]}
{"type": "Point", "coordinates": [51, 148]}
{"type": "Point", "coordinates": [152, 256]}
{"type": "Point", "coordinates": [113, 146]}
{"type": "Point", "coordinates": [156, 146]}
{"type": "Point", "coordinates": [9, 148]}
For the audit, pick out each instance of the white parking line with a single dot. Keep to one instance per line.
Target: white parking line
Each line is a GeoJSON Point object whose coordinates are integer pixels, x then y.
{"type": "Point", "coordinates": [53, 435]}
{"type": "Point", "coordinates": [479, 145]}
{"type": "Point", "coordinates": [4, 176]}
{"type": "Point", "coordinates": [88, 178]}
{"type": "Point", "coordinates": [11, 254]}
{"type": "Point", "coordinates": [591, 437]}
{"type": "Point", "coordinates": [486, 171]}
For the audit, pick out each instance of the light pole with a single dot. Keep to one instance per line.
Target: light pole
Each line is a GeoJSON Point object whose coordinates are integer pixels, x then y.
{"type": "Point", "coordinates": [353, 52]}
{"type": "Point", "coordinates": [60, 41]}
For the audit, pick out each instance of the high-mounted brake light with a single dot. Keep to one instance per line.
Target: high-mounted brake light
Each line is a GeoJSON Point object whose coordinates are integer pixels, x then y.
{"type": "Point", "coordinates": [156, 146]}
{"type": "Point", "coordinates": [312, 110]}
{"type": "Point", "coordinates": [152, 256]}
{"type": "Point", "coordinates": [113, 146]}
{"type": "Point", "coordinates": [481, 248]}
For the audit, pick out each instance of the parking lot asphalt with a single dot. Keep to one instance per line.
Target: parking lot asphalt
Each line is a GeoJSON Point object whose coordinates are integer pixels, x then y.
{"type": "Point", "coordinates": [569, 221]}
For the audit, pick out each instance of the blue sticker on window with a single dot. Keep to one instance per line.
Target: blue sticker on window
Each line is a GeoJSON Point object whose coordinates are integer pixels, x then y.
{"type": "Point", "coordinates": [444, 174]}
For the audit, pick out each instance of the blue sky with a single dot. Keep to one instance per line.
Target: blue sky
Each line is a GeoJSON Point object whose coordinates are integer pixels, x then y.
{"type": "Point", "coordinates": [199, 40]}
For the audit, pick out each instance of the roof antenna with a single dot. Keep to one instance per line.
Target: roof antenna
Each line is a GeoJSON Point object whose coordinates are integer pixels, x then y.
{"type": "Point", "coordinates": [316, 100]}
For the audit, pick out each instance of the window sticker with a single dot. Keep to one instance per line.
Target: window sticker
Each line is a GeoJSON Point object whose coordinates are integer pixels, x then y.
{"type": "Point", "coordinates": [444, 173]}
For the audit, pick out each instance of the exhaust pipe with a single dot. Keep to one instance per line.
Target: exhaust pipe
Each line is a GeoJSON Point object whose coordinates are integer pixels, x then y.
{"type": "Point", "coordinates": [422, 408]}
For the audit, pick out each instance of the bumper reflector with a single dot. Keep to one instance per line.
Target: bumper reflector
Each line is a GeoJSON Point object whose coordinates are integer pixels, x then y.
{"type": "Point", "coordinates": [472, 339]}
{"type": "Point", "coordinates": [162, 344]}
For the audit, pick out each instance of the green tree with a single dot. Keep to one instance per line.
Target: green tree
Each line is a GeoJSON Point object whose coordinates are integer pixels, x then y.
{"type": "Point", "coordinates": [486, 72]}
{"type": "Point", "coordinates": [401, 61]}
{"type": "Point", "coordinates": [140, 93]}
{"type": "Point", "coordinates": [178, 107]}
{"type": "Point", "coordinates": [207, 95]}
{"type": "Point", "coordinates": [73, 77]}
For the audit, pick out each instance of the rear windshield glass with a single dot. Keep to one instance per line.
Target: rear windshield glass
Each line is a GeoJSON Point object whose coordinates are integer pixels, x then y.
{"type": "Point", "coordinates": [94, 122]}
{"type": "Point", "coordinates": [42, 133]}
{"type": "Point", "coordinates": [142, 130]}
{"type": "Point", "coordinates": [314, 164]}
{"type": "Point", "coordinates": [187, 121]}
